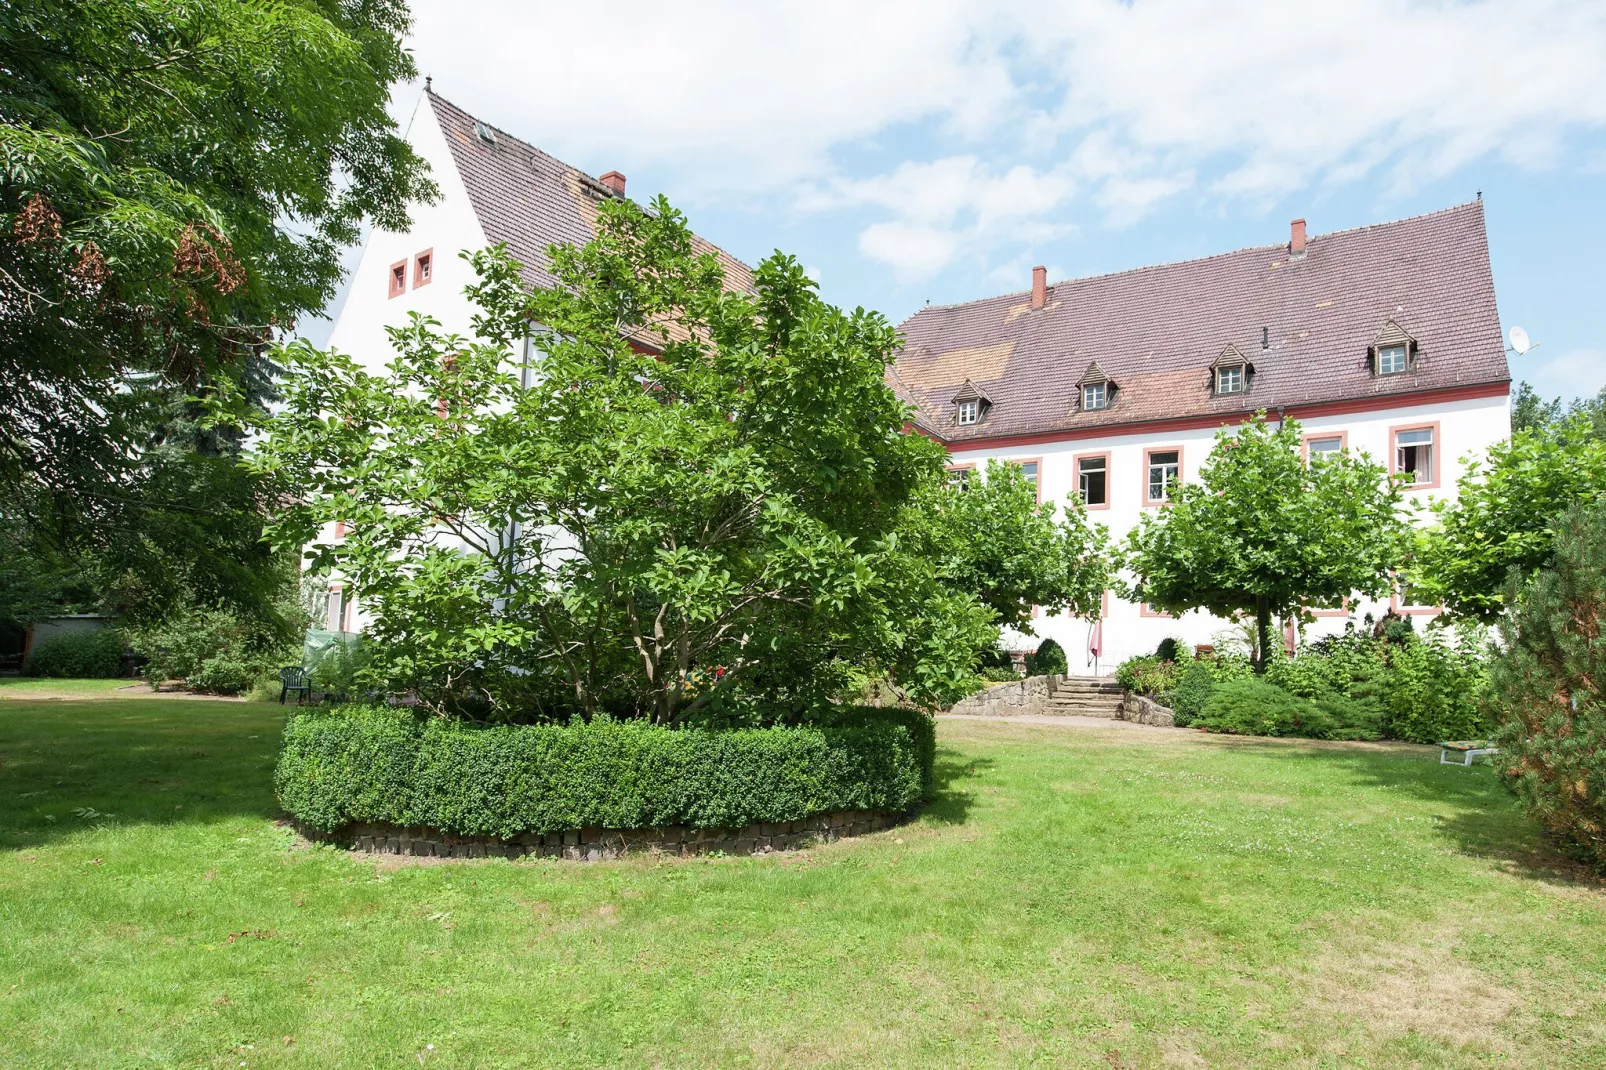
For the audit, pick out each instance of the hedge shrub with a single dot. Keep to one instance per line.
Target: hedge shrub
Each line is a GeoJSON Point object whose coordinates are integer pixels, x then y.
{"type": "Point", "coordinates": [392, 766]}
{"type": "Point", "coordinates": [1047, 660]}
{"type": "Point", "coordinates": [85, 655]}
{"type": "Point", "coordinates": [1256, 707]}
{"type": "Point", "coordinates": [1192, 692]}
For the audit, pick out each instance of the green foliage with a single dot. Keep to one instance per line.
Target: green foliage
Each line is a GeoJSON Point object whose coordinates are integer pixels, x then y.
{"type": "Point", "coordinates": [1170, 649]}
{"type": "Point", "coordinates": [1257, 707]}
{"type": "Point", "coordinates": [82, 655]}
{"type": "Point", "coordinates": [1307, 676]}
{"type": "Point", "coordinates": [211, 649]}
{"type": "Point", "coordinates": [345, 667]}
{"type": "Point", "coordinates": [1148, 675]}
{"type": "Point", "coordinates": [1433, 691]}
{"type": "Point", "coordinates": [1192, 692]}
{"type": "Point", "coordinates": [177, 183]}
{"type": "Point", "coordinates": [1504, 514]}
{"type": "Point", "coordinates": [1048, 659]}
{"type": "Point", "coordinates": [1263, 533]}
{"type": "Point", "coordinates": [1016, 554]}
{"type": "Point", "coordinates": [998, 674]}
{"type": "Point", "coordinates": [753, 536]}
{"type": "Point", "coordinates": [384, 765]}
{"type": "Point", "coordinates": [1545, 684]}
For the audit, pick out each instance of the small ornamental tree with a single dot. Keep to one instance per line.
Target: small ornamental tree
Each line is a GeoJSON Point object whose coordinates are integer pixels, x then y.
{"type": "Point", "coordinates": [1015, 554]}
{"type": "Point", "coordinates": [735, 526]}
{"type": "Point", "coordinates": [1264, 534]}
{"type": "Point", "coordinates": [1545, 683]}
{"type": "Point", "coordinates": [1505, 512]}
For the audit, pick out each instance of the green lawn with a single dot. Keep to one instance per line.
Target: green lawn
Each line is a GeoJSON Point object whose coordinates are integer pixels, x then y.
{"type": "Point", "coordinates": [1080, 898]}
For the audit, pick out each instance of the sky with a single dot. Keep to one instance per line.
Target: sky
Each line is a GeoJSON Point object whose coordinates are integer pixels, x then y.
{"type": "Point", "coordinates": [908, 152]}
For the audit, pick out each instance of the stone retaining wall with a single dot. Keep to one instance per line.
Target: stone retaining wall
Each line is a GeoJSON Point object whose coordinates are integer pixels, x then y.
{"type": "Point", "coordinates": [1145, 711]}
{"type": "Point", "coordinates": [1010, 698]}
{"type": "Point", "coordinates": [593, 845]}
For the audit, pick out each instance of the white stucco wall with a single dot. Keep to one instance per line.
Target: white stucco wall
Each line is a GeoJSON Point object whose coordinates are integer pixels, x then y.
{"type": "Point", "coordinates": [1464, 428]}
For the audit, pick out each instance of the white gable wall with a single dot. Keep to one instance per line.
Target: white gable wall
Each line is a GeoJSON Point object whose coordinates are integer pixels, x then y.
{"type": "Point", "coordinates": [447, 227]}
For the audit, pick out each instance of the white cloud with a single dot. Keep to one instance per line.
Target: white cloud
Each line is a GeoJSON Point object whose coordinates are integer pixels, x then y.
{"type": "Point", "coordinates": [1575, 373]}
{"type": "Point", "coordinates": [1029, 115]}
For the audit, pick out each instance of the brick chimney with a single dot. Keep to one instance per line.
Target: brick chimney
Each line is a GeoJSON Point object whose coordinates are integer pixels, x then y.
{"type": "Point", "coordinates": [1039, 286]}
{"type": "Point", "coordinates": [614, 181]}
{"type": "Point", "coordinates": [1296, 237]}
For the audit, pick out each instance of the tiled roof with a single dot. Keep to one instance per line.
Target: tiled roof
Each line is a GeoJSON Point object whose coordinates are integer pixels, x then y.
{"type": "Point", "coordinates": [531, 200]}
{"type": "Point", "coordinates": [1156, 331]}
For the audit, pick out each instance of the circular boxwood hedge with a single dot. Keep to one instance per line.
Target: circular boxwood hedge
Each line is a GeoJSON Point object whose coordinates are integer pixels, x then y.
{"type": "Point", "coordinates": [387, 766]}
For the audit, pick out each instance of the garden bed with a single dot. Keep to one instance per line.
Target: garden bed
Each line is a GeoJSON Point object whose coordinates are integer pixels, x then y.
{"type": "Point", "coordinates": [398, 782]}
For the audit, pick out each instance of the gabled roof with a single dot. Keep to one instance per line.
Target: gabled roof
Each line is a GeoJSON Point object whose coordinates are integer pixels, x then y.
{"type": "Point", "coordinates": [1155, 330]}
{"type": "Point", "coordinates": [968, 392]}
{"type": "Point", "coordinates": [530, 200]}
{"type": "Point", "coordinates": [1231, 357]}
{"type": "Point", "coordinates": [1392, 334]}
{"type": "Point", "coordinates": [1094, 374]}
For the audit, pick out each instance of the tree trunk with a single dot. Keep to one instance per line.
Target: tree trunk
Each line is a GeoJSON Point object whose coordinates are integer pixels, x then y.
{"type": "Point", "coordinates": [1262, 632]}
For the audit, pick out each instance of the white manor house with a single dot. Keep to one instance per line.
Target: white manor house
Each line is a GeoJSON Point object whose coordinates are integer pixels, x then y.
{"type": "Point", "coordinates": [1383, 339]}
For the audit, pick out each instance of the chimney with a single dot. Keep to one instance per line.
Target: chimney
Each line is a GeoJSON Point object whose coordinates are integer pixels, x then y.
{"type": "Point", "coordinates": [1296, 237]}
{"type": "Point", "coordinates": [1039, 286]}
{"type": "Point", "coordinates": [616, 182]}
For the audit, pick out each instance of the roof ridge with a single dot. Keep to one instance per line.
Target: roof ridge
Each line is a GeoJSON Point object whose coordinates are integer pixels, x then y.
{"type": "Point", "coordinates": [1205, 259]}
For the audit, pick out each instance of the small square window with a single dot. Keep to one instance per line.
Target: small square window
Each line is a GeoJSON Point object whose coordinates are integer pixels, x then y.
{"type": "Point", "coordinates": [1029, 470]}
{"type": "Point", "coordinates": [398, 278]}
{"type": "Point", "coordinates": [1230, 380]}
{"type": "Point", "coordinates": [423, 268]}
{"type": "Point", "coordinates": [1322, 449]}
{"type": "Point", "coordinates": [1095, 396]}
{"type": "Point", "coordinates": [969, 411]}
{"type": "Point", "coordinates": [1092, 480]}
{"type": "Point", "coordinates": [959, 478]}
{"type": "Point", "coordinates": [1390, 360]}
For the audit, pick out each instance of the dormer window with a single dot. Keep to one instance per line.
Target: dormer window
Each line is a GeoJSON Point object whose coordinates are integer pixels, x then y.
{"type": "Point", "coordinates": [1393, 351]}
{"type": "Point", "coordinates": [1096, 389]}
{"type": "Point", "coordinates": [1230, 372]}
{"type": "Point", "coordinates": [970, 405]}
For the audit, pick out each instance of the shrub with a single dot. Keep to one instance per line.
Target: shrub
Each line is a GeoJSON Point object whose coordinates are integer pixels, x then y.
{"type": "Point", "coordinates": [997, 675]}
{"type": "Point", "coordinates": [1170, 649]}
{"type": "Point", "coordinates": [84, 655]}
{"type": "Point", "coordinates": [1148, 675]}
{"type": "Point", "coordinates": [210, 650]}
{"type": "Point", "coordinates": [1224, 667]}
{"type": "Point", "coordinates": [1546, 687]}
{"type": "Point", "coordinates": [1256, 707]}
{"type": "Point", "coordinates": [1192, 692]}
{"type": "Point", "coordinates": [1433, 691]}
{"type": "Point", "coordinates": [1306, 675]}
{"type": "Point", "coordinates": [360, 764]}
{"type": "Point", "coordinates": [1347, 718]}
{"type": "Point", "coordinates": [1049, 659]}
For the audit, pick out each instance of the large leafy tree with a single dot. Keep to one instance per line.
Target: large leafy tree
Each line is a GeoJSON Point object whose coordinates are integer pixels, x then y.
{"type": "Point", "coordinates": [1265, 535]}
{"type": "Point", "coordinates": [729, 522]}
{"type": "Point", "coordinates": [176, 182]}
{"type": "Point", "coordinates": [1505, 512]}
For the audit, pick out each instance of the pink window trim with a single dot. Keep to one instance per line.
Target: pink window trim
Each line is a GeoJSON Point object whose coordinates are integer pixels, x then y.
{"type": "Point", "coordinates": [1076, 474]}
{"type": "Point", "coordinates": [1038, 461]}
{"type": "Point", "coordinates": [1150, 503]}
{"type": "Point", "coordinates": [1348, 604]}
{"type": "Point", "coordinates": [398, 278]}
{"type": "Point", "coordinates": [1145, 611]}
{"type": "Point", "coordinates": [1304, 444]}
{"type": "Point", "coordinates": [427, 256]}
{"type": "Point", "coordinates": [1438, 452]}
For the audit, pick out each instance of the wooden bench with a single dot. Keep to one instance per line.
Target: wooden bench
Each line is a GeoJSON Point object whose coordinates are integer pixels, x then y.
{"type": "Point", "coordinates": [1467, 748]}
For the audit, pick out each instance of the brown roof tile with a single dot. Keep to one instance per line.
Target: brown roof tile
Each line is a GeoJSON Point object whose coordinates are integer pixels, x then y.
{"type": "Point", "coordinates": [1156, 332]}
{"type": "Point", "coordinates": [531, 200]}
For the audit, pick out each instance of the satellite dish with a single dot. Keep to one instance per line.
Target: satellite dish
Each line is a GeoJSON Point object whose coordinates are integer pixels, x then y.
{"type": "Point", "coordinates": [1520, 342]}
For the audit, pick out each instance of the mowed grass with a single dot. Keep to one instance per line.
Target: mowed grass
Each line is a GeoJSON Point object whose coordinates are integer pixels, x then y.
{"type": "Point", "coordinates": [1109, 898]}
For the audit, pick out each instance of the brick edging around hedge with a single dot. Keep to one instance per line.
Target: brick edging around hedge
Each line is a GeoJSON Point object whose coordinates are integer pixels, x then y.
{"type": "Point", "coordinates": [596, 844]}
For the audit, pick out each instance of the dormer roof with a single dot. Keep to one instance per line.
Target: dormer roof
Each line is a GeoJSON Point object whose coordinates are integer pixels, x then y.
{"type": "Point", "coordinates": [1231, 357]}
{"type": "Point", "coordinates": [1093, 374]}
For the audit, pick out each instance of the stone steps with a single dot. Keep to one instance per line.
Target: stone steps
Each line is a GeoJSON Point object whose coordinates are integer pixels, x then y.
{"type": "Point", "coordinates": [1085, 696]}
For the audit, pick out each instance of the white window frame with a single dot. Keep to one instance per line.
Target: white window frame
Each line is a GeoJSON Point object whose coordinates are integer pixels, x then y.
{"type": "Point", "coordinates": [1165, 468]}
{"type": "Point", "coordinates": [1082, 474]}
{"type": "Point", "coordinates": [1313, 454]}
{"type": "Point", "coordinates": [1095, 396]}
{"type": "Point", "coordinates": [1404, 353]}
{"type": "Point", "coordinates": [1419, 477]}
{"type": "Point", "coordinates": [969, 412]}
{"type": "Point", "coordinates": [1239, 378]}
